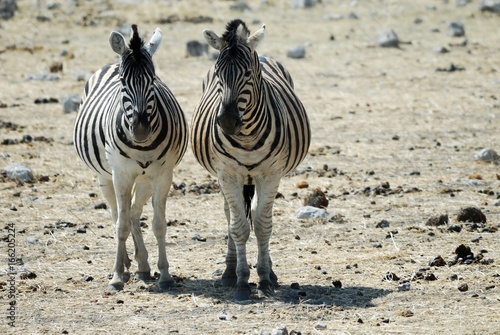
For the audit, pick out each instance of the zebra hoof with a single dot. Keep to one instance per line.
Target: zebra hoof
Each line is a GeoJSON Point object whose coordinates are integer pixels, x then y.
{"type": "Point", "coordinates": [274, 279]}
{"type": "Point", "coordinates": [242, 293]}
{"type": "Point", "coordinates": [144, 276]}
{"type": "Point", "coordinates": [165, 286]}
{"type": "Point", "coordinates": [115, 287]}
{"type": "Point", "coordinates": [266, 288]}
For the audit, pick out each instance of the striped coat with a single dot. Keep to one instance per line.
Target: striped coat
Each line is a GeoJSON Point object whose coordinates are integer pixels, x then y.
{"type": "Point", "coordinates": [131, 131]}
{"type": "Point", "coordinates": [249, 129]}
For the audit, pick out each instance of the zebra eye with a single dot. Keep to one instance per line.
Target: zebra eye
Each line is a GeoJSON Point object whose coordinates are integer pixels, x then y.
{"type": "Point", "coordinates": [248, 73]}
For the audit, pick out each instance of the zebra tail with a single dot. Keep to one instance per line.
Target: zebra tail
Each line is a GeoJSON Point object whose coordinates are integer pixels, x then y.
{"type": "Point", "coordinates": [248, 193]}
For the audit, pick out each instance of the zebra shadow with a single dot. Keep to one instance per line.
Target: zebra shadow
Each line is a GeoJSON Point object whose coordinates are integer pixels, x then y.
{"type": "Point", "coordinates": [317, 295]}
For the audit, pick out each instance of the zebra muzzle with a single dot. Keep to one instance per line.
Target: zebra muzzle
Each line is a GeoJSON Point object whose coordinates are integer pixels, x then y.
{"type": "Point", "coordinates": [229, 121]}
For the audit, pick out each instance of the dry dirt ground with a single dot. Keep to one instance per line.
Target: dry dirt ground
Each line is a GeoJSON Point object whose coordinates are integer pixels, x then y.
{"type": "Point", "coordinates": [393, 139]}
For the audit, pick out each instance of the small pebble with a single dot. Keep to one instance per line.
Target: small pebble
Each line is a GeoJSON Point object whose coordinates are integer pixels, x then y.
{"type": "Point", "coordinates": [196, 48]}
{"type": "Point", "coordinates": [388, 39]}
{"type": "Point", "coordinates": [456, 29]}
{"type": "Point", "coordinates": [296, 52]}
{"type": "Point", "coordinates": [463, 287]}
{"type": "Point", "coordinates": [320, 326]}
{"type": "Point", "coordinates": [81, 230]}
{"type": "Point", "coordinates": [18, 172]}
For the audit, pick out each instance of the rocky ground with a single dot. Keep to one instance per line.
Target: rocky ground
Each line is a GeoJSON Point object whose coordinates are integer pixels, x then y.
{"type": "Point", "coordinates": [409, 243]}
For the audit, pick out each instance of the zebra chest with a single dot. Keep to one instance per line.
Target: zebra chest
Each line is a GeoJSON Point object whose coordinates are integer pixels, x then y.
{"type": "Point", "coordinates": [248, 160]}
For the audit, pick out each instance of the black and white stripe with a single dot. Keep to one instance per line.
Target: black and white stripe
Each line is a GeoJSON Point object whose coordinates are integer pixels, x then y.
{"type": "Point", "coordinates": [132, 132]}
{"type": "Point", "coordinates": [249, 130]}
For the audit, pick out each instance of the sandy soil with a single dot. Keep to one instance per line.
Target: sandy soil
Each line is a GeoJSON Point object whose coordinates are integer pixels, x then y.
{"type": "Point", "coordinates": [393, 139]}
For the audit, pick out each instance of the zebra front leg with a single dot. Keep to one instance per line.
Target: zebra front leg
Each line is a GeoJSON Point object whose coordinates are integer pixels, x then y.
{"type": "Point", "coordinates": [122, 188]}
{"type": "Point", "coordinates": [262, 213]}
{"type": "Point", "coordinates": [239, 231]}
{"type": "Point", "coordinates": [108, 190]}
{"type": "Point", "coordinates": [161, 187]}
{"type": "Point", "coordinates": [229, 277]}
{"type": "Point", "coordinates": [142, 192]}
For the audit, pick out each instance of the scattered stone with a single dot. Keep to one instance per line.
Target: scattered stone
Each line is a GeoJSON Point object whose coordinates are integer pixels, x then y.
{"type": "Point", "coordinates": [487, 155]}
{"type": "Point", "coordinates": [390, 276]}
{"type": "Point", "coordinates": [437, 261]}
{"type": "Point", "coordinates": [199, 238]}
{"type": "Point", "coordinates": [382, 224]}
{"type": "Point", "coordinates": [302, 3]}
{"type": "Point", "coordinates": [81, 230]}
{"type": "Point", "coordinates": [316, 199]}
{"type": "Point", "coordinates": [224, 315]}
{"type": "Point", "coordinates": [169, 19]}
{"type": "Point", "coordinates": [430, 277]}
{"type": "Point", "coordinates": [281, 330]}
{"type": "Point", "coordinates": [320, 326]}
{"type": "Point", "coordinates": [438, 220]}
{"type": "Point", "coordinates": [71, 103]}
{"type": "Point", "coordinates": [295, 286]}
{"type": "Point", "coordinates": [302, 184]}
{"type": "Point", "coordinates": [46, 101]}
{"type": "Point", "coordinates": [309, 212]}
{"type": "Point", "coordinates": [56, 67]}
{"type": "Point", "coordinates": [101, 205]}
{"type": "Point", "coordinates": [404, 286]}
{"type": "Point", "coordinates": [464, 252]}
{"type": "Point", "coordinates": [471, 214]}
{"type": "Point", "coordinates": [333, 17]}
{"type": "Point", "coordinates": [43, 77]}
{"type": "Point", "coordinates": [7, 9]}
{"type": "Point", "coordinates": [463, 287]}
{"type": "Point", "coordinates": [388, 39]}
{"type": "Point", "coordinates": [27, 275]}
{"type": "Point", "coordinates": [456, 29]}
{"type": "Point", "coordinates": [88, 278]}
{"type": "Point", "coordinates": [337, 283]}
{"type": "Point", "coordinates": [196, 48]}
{"type": "Point", "coordinates": [462, 3]}
{"type": "Point", "coordinates": [418, 20]}
{"type": "Point", "coordinates": [199, 19]}
{"type": "Point", "coordinates": [490, 6]}
{"type": "Point", "coordinates": [455, 228]}
{"type": "Point", "coordinates": [296, 52]}
{"type": "Point", "coordinates": [18, 172]}
{"type": "Point", "coordinates": [407, 313]}
{"type": "Point", "coordinates": [353, 16]}
{"type": "Point", "coordinates": [32, 239]}
{"type": "Point", "coordinates": [440, 50]}
{"type": "Point", "coordinates": [451, 68]}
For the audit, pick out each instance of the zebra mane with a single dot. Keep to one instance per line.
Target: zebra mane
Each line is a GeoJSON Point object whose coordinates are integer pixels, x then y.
{"type": "Point", "coordinates": [234, 34]}
{"type": "Point", "coordinates": [136, 43]}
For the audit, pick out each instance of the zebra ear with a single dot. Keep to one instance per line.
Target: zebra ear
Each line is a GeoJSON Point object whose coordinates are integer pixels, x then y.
{"type": "Point", "coordinates": [117, 42]}
{"type": "Point", "coordinates": [256, 37]}
{"type": "Point", "coordinates": [212, 39]}
{"type": "Point", "coordinates": [154, 42]}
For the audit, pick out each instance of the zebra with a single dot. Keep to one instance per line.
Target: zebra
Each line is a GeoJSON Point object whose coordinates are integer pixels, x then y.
{"type": "Point", "coordinates": [132, 132]}
{"type": "Point", "coordinates": [249, 130]}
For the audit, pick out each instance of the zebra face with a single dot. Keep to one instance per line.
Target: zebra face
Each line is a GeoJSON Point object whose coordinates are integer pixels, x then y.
{"type": "Point", "coordinates": [137, 76]}
{"type": "Point", "coordinates": [235, 79]}
{"type": "Point", "coordinates": [138, 104]}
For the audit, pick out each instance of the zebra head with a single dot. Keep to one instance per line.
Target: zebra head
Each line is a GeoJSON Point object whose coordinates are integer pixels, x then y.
{"type": "Point", "coordinates": [238, 73]}
{"type": "Point", "coordinates": [137, 75]}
